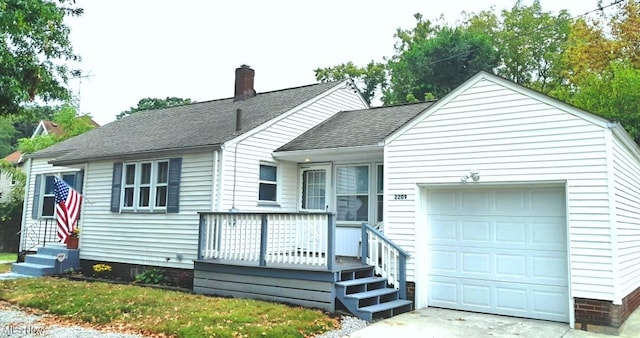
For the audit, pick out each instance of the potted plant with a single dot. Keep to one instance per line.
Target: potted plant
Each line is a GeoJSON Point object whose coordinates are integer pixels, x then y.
{"type": "Point", "coordinates": [72, 240]}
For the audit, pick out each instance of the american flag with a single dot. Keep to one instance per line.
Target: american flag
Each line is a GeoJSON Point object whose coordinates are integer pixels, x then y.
{"type": "Point", "coordinates": [67, 209]}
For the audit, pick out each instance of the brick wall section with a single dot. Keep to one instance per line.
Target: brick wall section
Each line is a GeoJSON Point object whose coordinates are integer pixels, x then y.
{"type": "Point", "coordinates": [122, 271]}
{"type": "Point", "coordinates": [629, 304]}
{"type": "Point", "coordinates": [596, 312]}
{"type": "Point", "coordinates": [605, 313]}
{"type": "Point", "coordinates": [411, 292]}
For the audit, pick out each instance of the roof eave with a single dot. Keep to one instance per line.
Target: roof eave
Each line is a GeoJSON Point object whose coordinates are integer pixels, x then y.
{"type": "Point", "coordinates": [353, 154]}
{"type": "Point", "coordinates": [135, 156]}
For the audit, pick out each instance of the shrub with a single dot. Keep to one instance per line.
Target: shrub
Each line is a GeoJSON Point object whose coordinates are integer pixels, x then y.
{"type": "Point", "coordinates": [151, 276]}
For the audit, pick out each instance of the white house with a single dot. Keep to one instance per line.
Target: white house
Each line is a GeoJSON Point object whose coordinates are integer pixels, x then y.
{"type": "Point", "coordinates": [495, 199]}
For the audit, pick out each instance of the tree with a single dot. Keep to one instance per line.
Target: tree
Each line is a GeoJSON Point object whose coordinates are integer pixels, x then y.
{"type": "Point", "coordinates": [7, 134]}
{"type": "Point", "coordinates": [603, 67]}
{"type": "Point", "coordinates": [70, 123]}
{"type": "Point", "coordinates": [371, 78]}
{"type": "Point", "coordinates": [34, 51]}
{"type": "Point", "coordinates": [154, 103]}
{"type": "Point", "coordinates": [431, 61]}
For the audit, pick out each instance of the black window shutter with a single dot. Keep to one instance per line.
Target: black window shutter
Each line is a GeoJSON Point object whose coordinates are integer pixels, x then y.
{"type": "Point", "coordinates": [173, 198]}
{"type": "Point", "coordinates": [36, 198]}
{"type": "Point", "coordinates": [77, 185]}
{"type": "Point", "coordinates": [116, 183]}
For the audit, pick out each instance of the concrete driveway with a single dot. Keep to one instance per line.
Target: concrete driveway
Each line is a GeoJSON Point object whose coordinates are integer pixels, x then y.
{"type": "Point", "coordinates": [441, 323]}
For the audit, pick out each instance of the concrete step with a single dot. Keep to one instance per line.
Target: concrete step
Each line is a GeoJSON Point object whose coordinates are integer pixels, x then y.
{"type": "Point", "coordinates": [31, 269]}
{"type": "Point", "coordinates": [55, 250]}
{"type": "Point", "coordinates": [41, 259]}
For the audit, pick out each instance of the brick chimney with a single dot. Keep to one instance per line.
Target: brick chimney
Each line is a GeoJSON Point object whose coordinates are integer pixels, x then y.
{"type": "Point", "coordinates": [244, 83]}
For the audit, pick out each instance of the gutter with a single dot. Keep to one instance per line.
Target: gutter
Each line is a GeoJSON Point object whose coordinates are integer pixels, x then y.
{"type": "Point", "coordinates": [136, 155]}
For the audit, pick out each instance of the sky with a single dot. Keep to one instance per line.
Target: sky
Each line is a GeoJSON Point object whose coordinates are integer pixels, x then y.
{"type": "Point", "coordinates": [190, 49]}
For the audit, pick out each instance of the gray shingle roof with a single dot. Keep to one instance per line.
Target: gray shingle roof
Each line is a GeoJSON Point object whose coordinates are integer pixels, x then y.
{"type": "Point", "coordinates": [356, 127]}
{"type": "Point", "coordinates": [201, 124]}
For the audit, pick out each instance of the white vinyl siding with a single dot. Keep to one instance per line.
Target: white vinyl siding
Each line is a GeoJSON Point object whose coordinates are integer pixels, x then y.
{"type": "Point", "coordinates": [627, 209]}
{"type": "Point", "coordinates": [242, 157]}
{"type": "Point", "coordinates": [146, 238]}
{"type": "Point", "coordinates": [508, 137]}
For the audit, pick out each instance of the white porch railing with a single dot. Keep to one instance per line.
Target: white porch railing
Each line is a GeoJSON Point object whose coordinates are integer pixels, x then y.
{"type": "Point", "coordinates": [269, 238]}
{"type": "Point", "coordinates": [389, 260]}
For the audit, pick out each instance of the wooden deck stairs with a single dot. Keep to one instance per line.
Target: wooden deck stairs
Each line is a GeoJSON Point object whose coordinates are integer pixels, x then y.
{"type": "Point", "coordinates": [367, 296]}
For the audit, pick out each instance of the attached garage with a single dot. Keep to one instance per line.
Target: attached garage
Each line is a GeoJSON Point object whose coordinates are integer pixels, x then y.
{"type": "Point", "coordinates": [511, 202]}
{"type": "Point", "coordinates": [499, 250]}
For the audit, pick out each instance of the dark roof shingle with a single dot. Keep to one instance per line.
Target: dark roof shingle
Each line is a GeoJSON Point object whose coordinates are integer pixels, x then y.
{"type": "Point", "coordinates": [356, 127]}
{"type": "Point", "coordinates": [201, 124]}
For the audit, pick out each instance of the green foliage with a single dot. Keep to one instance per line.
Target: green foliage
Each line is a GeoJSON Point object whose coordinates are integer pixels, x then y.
{"type": "Point", "coordinates": [34, 52]}
{"type": "Point", "coordinates": [151, 276]}
{"type": "Point", "coordinates": [72, 125]}
{"type": "Point", "coordinates": [531, 43]}
{"type": "Point", "coordinates": [7, 135]}
{"type": "Point", "coordinates": [432, 60]}
{"type": "Point", "coordinates": [153, 103]}
{"type": "Point", "coordinates": [372, 77]}
{"type": "Point", "coordinates": [161, 312]}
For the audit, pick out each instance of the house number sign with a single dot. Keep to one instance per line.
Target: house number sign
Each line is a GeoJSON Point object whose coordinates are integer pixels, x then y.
{"type": "Point", "coordinates": [400, 197]}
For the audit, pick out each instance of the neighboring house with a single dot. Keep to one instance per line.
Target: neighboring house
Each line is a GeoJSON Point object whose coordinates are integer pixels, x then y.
{"type": "Point", "coordinates": [44, 127]}
{"type": "Point", "coordinates": [7, 182]}
{"type": "Point", "coordinates": [494, 199]}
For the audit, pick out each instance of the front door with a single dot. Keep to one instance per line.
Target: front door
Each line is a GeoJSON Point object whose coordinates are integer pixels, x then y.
{"type": "Point", "coordinates": [315, 181]}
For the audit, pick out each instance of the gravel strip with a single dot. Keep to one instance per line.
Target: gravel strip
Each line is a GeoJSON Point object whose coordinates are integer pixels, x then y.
{"type": "Point", "coordinates": [348, 325]}
{"type": "Point", "coordinates": [18, 324]}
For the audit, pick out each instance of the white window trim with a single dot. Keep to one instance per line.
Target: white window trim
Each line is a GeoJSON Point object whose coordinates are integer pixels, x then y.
{"type": "Point", "coordinates": [328, 181]}
{"type": "Point", "coordinates": [153, 185]}
{"type": "Point", "coordinates": [277, 183]}
{"type": "Point", "coordinates": [43, 189]}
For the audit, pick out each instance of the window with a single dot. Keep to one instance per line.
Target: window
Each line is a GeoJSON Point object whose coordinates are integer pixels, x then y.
{"type": "Point", "coordinates": [268, 183]}
{"type": "Point", "coordinates": [146, 186]}
{"type": "Point", "coordinates": [352, 193]}
{"type": "Point", "coordinates": [44, 200]}
{"type": "Point", "coordinates": [48, 197]}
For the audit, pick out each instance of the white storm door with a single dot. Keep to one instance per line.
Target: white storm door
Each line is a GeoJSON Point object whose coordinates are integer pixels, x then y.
{"type": "Point", "coordinates": [315, 186]}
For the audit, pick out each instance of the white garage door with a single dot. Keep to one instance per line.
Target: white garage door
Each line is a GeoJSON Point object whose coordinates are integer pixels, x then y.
{"type": "Point", "coordinates": [499, 250]}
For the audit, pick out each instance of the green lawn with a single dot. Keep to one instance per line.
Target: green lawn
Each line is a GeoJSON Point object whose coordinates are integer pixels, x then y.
{"type": "Point", "coordinates": [154, 311]}
{"type": "Point", "coordinates": [5, 268]}
{"type": "Point", "coordinates": [6, 256]}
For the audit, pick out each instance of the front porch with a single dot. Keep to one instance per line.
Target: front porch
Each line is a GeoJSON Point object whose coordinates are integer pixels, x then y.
{"type": "Point", "coordinates": [290, 258]}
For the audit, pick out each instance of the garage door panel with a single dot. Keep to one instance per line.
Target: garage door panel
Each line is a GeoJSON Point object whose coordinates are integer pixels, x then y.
{"type": "Point", "coordinates": [541, 233]}
{"type": "Point", "coordinates": [524, 300]}
{"type": "Point", "coordinates": [499, 250]}
{"type": "Point", "coordinates": [522, 266]}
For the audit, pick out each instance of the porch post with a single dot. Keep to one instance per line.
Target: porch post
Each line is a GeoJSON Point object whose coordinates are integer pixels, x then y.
{"type": "Point", "coordinates": [331, 241]}
{"type": "Point", "coordinates": [402, 277]}
{"type": "Point", "coordinates": [364, 245]}
{"type": "Point", "coordinates": [201, 236]}
{"type": "Point", "coordinates": [263, 241]}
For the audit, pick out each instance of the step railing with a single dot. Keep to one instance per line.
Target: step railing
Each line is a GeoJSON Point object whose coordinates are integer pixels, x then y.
{"type": "Point", "coordinates": [37, 234]}
{"type": "Point", "coordinates": [388, 259]}
{"type": "Point", "coordinates": [268, 238]}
